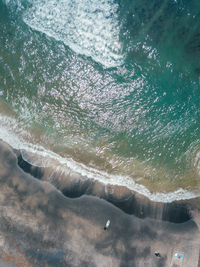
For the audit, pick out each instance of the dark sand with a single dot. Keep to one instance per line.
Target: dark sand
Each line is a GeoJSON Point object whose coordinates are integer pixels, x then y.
{"type": "Point", "coordinates": [41, 225]}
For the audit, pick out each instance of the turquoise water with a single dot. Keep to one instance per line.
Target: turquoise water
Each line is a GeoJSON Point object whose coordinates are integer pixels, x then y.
{"type": "Point", "coordinates": [113, 85]}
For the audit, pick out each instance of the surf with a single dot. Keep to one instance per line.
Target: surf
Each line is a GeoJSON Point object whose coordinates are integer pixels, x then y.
{"type": "Point", "coordinates": [94, 87]}
{"type": "Point", "coordinates": [88, 27]}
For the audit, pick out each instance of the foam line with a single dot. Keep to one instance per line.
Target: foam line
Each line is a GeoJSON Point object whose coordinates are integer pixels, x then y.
{"type": "Point", "coordinates": [47, 158]}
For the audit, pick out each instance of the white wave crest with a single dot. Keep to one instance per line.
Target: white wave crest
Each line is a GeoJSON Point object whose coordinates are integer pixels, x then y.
{"type": "Point", "coordinates": [47, 158]}
{"type": "Point", "coordinates": [88, 27]}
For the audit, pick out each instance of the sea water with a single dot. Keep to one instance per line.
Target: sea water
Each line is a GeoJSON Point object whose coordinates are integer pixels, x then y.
{"type": "Point", "coordinates": [108, 88]}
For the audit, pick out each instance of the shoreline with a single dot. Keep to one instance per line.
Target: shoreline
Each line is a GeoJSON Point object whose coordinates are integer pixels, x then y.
{"type": "Point", "coordinates": [64, 226]}
{"type": "Point", "coordinates": [46, 157]}
{"type": "Point", "coordinates": [110, 181]}
{"type": "Point", "coordinates": [74, 186]}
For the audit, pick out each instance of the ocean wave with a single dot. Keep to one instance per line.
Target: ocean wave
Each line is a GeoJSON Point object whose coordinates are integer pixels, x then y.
{"type": "Point", "coordinates": [39, 156]}
{"type": "Point", "coordinates": [88, 27]}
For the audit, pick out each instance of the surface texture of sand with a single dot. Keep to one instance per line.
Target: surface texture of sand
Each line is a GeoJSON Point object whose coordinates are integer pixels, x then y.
{"type": "Point", "coordinates": [64, 226]}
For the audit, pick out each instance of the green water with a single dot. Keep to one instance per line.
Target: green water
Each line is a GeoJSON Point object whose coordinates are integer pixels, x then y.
{"type": "Point", "coordinates": [114, 85]}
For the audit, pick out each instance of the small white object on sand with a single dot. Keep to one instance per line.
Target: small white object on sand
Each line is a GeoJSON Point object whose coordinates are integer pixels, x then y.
{"type": "Point", "coordinates": [107, 225]}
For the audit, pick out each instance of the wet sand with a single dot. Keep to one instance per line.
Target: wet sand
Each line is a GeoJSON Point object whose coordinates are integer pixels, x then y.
{"type": "Point", "coordinates": [62, 224]}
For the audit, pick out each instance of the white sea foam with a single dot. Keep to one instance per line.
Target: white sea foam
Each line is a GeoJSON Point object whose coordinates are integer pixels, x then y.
{"type": "Point", "coordinates": [89, 27]}
{"type": "Point", "coordinates": [7, 129]}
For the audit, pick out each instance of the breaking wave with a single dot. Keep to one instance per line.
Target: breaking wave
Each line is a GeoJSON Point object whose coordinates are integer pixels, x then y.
{"type": "Point", "coordinates": [88, 27]}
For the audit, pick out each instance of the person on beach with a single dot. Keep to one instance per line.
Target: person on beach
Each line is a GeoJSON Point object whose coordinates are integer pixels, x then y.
{"type": "Point", "coordinates": [157, 254]}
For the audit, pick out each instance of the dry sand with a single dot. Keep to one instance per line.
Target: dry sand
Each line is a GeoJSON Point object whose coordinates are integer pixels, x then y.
{"type": "Point", "coordinates": [41, 225]}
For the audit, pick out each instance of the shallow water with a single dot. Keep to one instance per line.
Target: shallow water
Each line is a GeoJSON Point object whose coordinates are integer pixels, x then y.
{"type": "Point", "coordinates": [110, 85]}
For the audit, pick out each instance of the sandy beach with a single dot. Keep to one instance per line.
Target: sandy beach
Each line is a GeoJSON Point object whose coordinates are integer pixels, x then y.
{"type": "Point", "coordinates": [99, 133]}
{"type": "Point", "coordinates": [41, 225]}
